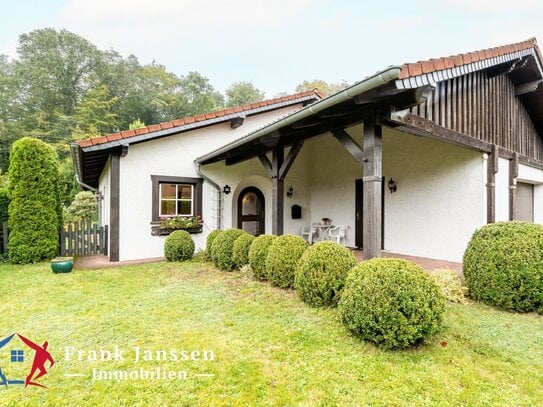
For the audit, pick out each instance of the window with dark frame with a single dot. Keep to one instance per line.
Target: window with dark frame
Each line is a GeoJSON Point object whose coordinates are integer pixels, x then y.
{"type": "Point", "coordinates": [176, 200]}
{"type": "Point", "coordinates": [175, 196]}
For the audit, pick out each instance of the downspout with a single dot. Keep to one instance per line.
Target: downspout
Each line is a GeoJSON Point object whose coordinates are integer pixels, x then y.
{"type": "Point", "coordinates": [218, 210]}
{"type": "Point", "coordinates": [83, 185]}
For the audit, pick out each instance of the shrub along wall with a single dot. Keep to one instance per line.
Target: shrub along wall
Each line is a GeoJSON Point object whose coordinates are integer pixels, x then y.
{"type": "Point", "coordinates": [321, 273]}
{"type": "Point", "coordinates": [222, 248]}
{"type": "Point", "coordinates": [258, 254]}
{"type": "Point", "coordinates": [503, 265]}
{"type": "Point", "coordinates": [179, 246]}
{"type": "Point", "coordinates": [240, 251]}
{"type": "Point", "coordinates": [282, 260]}
{"type": "Point", "coordinates": [34, 208]}
{"type": "Point", "coordinates": [209, 242]}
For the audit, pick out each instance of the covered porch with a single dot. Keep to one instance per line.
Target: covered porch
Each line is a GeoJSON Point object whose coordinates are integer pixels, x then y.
{"type": "Point", "coordinates": [334, 159]}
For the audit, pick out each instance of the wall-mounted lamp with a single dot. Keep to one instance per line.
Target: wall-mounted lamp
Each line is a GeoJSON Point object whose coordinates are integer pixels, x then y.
{"type": "Point", "coordinates": [392, 187]}
{"type": "Point", "coordinates": [290, 192]}
{"type": "Point", "coordinates": [226, 189]}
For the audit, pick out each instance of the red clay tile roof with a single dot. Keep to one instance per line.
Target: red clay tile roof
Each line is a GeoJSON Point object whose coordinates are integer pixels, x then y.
{"type": "Point", "coordinates": [432, 65]}
{"type": "Point", "coordinates": [126, 134]}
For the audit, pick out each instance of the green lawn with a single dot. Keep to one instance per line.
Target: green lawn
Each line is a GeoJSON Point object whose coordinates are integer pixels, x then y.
{"type": "Point", "coordinates": [269, 348]}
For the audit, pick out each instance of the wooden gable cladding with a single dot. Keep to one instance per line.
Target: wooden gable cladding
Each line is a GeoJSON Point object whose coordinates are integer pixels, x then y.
{"type": "Point", "coordinates": [486, 108]}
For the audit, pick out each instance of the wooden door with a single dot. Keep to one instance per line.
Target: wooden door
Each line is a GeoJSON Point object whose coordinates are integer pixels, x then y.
{"type": "Point", "coordinates": [251, 211]}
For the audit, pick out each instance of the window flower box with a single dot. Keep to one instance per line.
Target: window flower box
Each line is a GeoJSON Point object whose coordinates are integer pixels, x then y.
{"type": "Point", "coordinates": [166, 226]}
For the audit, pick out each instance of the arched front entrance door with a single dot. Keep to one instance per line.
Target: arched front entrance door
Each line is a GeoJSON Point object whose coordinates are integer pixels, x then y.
{"type": "Point", "coordinates": [251, 211]}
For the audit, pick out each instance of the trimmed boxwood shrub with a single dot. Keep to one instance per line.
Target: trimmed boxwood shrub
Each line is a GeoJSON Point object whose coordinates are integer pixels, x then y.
{"type": "Point", "coordinates": [503, 265]}
{"type": "Point", "coordinates": [209, 242]}
{"type": "Point", "coordinates": [391, 302]}
{"type": "Point", "coordinates": [179, 246]}
{"type": "Point", "coordinates": [240, 251]}
{"type": "Point", "coordinates": [450, 284]}
{"type": "Point", "coordinates": [321, 273]}
{"type": "Point", "coordinates": [282, 260]}
{"type": "Point", "coordinates": [222, 248]}
{"type": "Point", "coordinates": [258, 254]}
{"type": "Point", "coordinates": [35, 214]}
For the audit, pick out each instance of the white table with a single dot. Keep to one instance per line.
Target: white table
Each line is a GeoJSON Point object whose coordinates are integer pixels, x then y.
{"type": "Point", "coordinates": [321, 232]}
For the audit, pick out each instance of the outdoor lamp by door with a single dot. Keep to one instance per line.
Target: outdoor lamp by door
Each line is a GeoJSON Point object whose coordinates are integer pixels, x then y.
{"type": "Point", "coordinates": [226, 189]}
{"type": "Point", "coordinates": [392, 187]}
{"type": "Point", "coordinates": [290, 192]}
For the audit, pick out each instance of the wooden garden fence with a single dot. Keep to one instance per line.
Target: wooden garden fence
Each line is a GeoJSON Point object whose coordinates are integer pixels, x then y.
{"type": "Point", "coordinates": [83, 238]}
{"type": "Point", "coordinates": [77, 239]}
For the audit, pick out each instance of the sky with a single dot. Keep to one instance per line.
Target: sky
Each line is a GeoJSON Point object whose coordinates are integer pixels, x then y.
{"type": "Point", "coordinates": [278, 44]}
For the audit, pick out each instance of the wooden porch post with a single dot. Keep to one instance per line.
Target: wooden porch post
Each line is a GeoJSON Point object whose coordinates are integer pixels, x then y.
{"type": "Point", "coordinates": [277, 169]}
{"type": "Point", "coordinates": [278, 191]}
{"type": "Point", "coordinates": [372, 187]}
{"type": "Point", "coordinates": [492, 169]}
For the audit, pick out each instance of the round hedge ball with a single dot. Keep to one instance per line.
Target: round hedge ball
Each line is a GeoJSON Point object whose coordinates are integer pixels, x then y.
{"type": "Point", "coordinates": [321, 273]}
{"type": "Point", "coordinates": [503, 265]}
{"type": "Point", "coordinates": [282, 260]}
{"type": "Point", "coordinates": [393, 303]}
{"type": "Point", "coordinates": [258, 254]}
{"type": "Point", "coordinates": [222, 248]}
{"type": "Point", "coordinates": [179, 246]}
{"type": "Point", "coordinates": [209, 241]}
{"type": "Point", "coordinates": [240, 251]}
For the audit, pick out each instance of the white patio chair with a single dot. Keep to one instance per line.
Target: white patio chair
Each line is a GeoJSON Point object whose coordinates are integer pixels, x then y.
{"type": "Point", "coordinates": [337, 233]}
{"type": "Point", "coordinates": [307, 234]}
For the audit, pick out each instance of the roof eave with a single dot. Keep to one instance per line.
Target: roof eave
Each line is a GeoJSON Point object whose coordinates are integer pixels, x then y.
{"type": "Point", "coordinates": [415, 81]}
{"type": "Point", "coordinates": [380, 78]}
{"type": "Point", "coordinates": [196, 125]}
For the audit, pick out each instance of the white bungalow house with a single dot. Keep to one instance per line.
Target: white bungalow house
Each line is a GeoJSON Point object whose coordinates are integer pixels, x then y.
{"type": "Point", "coordinates": [411, 160]}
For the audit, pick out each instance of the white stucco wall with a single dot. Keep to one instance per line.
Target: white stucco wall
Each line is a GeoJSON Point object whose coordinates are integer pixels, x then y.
{"type": "Point", "coordinates": [251, 173]}
{"type": "Point", "coordinates": [440, 198]}
{"type": "Point", "coordinates": [333, 172]}
{"type": "Point", "coordinates": [440, 201]}
{"type": "Point", "coordinates": [171, 156]}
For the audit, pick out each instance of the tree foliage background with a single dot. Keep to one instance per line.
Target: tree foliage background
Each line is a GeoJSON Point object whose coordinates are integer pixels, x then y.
{"type": "Point", "coordinates": [61, 88]}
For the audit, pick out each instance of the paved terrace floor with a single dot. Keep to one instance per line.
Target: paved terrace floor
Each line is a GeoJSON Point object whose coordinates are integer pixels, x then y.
{"type": "Point", "coordinates": [100, 261]}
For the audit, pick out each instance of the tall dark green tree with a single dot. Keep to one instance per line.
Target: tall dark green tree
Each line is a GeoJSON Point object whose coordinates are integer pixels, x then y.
{"type": "Point", "coordinates": [34, 207]}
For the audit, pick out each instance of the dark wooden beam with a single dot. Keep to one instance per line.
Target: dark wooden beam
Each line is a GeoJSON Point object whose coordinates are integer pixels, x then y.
{"type": "Point", "coordinates": [529, 87]}
{"type": "Point", "coordinates": [492, 170]}
{"type": "Point", "coordinates": [278, 191]}
{"type": "Point", "coordinates": [287, 164]}
{"type": "Point", "coordinates": [509, 154]}
{"type": "Point", "coordinates": [411, 123]}
{"type": "Point", "coordinates": [372, 199]}
{"type": "Point", "coordinates": [503, 69]}
{"type": "Point", "coordinates": [350, 144]}
{"type": "Point", "coordinates": [114, 207]}
{"type": "Point", "coordinates": [266, 163]}
{"type": "Point", "coordinates": [513, 174]}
